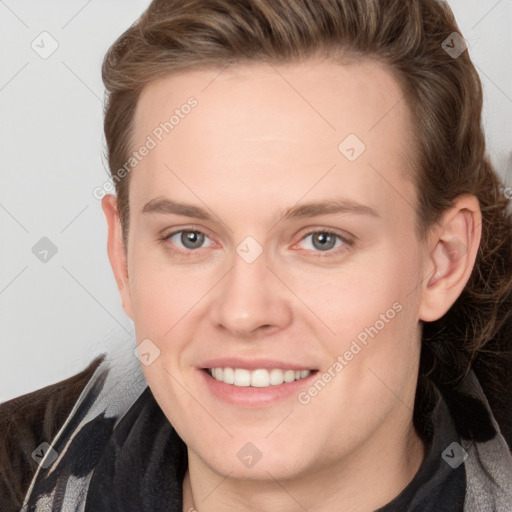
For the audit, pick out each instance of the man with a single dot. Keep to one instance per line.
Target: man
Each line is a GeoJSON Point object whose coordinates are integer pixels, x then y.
{"type": "Point", "coordinates": [301, 237]}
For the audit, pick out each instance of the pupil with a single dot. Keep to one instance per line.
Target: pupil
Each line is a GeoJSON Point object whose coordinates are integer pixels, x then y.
{"type": "Point", "coordinates": [192, 239]}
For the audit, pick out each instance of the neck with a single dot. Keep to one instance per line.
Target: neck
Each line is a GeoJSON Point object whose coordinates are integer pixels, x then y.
{"type": "Point", "coordinates": [363, 480]}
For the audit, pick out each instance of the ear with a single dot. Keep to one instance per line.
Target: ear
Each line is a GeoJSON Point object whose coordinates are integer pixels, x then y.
{"type": "Point", "coordinates": [453, 247]}
{"type": "Point", "coordinates": [116, 251]}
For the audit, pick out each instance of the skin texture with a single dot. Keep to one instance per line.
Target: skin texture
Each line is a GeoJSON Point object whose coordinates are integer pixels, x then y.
{"type": "Point", "coordinates": [263, 139]}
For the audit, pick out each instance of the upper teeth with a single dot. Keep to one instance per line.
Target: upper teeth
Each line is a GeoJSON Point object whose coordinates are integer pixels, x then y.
{"type": "Point", "coordinates": [260, 378]}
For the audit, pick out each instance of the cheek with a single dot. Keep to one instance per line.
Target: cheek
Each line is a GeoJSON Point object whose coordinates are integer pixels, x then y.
{"type": "Point", "coordinates": [371, 310]}
{"type": "Point", "coordinates": [161, 293]}
{"type": "Point", "coordinates": [366, 290]}
{"type": "Point", "coordinates": [163, 298]}
{"type": "Point", "coordinates": [169, 306]}
{"type": "Point", "coordinates": [378, 328]}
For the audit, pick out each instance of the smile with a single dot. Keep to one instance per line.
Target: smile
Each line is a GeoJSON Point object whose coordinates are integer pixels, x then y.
{"type": "Point", "coordinates": [259, 378]}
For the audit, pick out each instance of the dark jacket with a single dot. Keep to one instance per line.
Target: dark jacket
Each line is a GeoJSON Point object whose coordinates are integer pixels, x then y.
{"type": "Point", "coordinates": [25, 423]}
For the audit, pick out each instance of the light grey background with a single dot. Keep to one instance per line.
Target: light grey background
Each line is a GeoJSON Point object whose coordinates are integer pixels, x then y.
{"type": "Point", "coordinates": [56, 316]}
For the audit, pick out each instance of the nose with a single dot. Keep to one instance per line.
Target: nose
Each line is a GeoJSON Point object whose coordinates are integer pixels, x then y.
{"type": "Point", "coordinates": [251, 300]}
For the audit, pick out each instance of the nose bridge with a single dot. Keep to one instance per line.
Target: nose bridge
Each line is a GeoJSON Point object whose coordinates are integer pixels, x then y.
{"type": "Point", "coordinates": [251, 297]}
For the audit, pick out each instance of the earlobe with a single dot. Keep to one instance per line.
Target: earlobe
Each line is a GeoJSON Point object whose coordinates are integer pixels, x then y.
{"type": "Point", "coordinates": [452, 256]}
{"type": "Point", "coordinates": [116, 250]}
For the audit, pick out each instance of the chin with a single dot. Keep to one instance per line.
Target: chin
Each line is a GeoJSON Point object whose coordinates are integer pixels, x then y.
{"type": "Point", "coordinates": [263, 460]}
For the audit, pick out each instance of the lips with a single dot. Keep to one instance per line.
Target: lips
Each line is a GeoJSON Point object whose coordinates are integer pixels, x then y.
{"type": "Point", "coordinates": [255, 364]}
{"type": "Point", "coordinates": [255, 382]}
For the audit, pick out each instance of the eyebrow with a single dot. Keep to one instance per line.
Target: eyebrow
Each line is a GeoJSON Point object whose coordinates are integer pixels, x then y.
{"type": "Point", "coordinates": [300, 211]}
{"type": "Point", "coordinates": [166, 206]}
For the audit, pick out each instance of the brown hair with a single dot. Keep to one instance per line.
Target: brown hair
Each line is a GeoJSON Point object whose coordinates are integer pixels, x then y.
{"type": "Point", "coordinates": [445, 97]}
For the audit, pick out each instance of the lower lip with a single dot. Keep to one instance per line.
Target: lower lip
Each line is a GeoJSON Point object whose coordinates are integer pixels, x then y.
{"type": "Point", "coordinates": [248, 396]}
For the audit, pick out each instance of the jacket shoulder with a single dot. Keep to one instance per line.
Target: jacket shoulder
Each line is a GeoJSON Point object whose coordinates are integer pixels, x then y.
{"type": "Point", "coordinates": [26, 422]}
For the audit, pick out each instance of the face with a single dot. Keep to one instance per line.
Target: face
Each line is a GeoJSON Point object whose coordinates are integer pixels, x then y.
{"type": "Point", "coordinates": [272, 227]}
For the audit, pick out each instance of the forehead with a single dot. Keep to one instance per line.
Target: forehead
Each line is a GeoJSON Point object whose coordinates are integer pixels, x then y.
{"type": "Point", "coordinates": [275, 126]}
{"type": "Point", "coordinates": [332, 97]}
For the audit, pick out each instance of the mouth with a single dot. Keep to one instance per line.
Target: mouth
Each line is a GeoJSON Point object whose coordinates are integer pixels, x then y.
{"type": "Point", "coordinates": [254, 382]}
{"type": "Point", "coordinates": [258, 378]}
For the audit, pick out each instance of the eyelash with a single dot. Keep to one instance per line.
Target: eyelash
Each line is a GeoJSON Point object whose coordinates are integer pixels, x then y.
{"type": "Point", "coordinates": [347, 242]}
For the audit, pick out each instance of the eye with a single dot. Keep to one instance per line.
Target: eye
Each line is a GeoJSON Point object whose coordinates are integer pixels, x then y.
{"type": "Point", "coordinates": [325, 241]}
{"type": "Point", "coordinates": [188, 240]}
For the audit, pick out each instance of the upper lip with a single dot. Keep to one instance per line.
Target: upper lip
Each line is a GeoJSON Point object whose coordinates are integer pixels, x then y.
{"type": "Point", "coordinates": [253, 364]}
